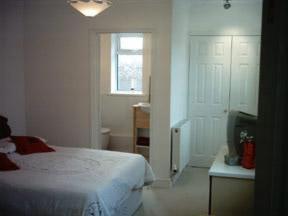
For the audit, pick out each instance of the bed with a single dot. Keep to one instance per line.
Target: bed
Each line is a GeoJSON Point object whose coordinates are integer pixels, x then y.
{"type": "Point", "coordinates": [74, 182]}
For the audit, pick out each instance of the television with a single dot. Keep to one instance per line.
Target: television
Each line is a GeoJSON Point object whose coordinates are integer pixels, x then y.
{"type": "Point", "coordinates": [238, 122]}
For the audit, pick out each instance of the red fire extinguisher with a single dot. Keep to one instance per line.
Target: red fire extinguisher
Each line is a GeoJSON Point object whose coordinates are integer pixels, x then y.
{"type": "Point", "coordinates": [248, 159]}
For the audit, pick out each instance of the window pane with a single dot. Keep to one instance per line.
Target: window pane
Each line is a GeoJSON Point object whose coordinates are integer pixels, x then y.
{"type": "Point", "coordinates": [129, 73]}
{"type": "Point", "coordinates": [131, 43]}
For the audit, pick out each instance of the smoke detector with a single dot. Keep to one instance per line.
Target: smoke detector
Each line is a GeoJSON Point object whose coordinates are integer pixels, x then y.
{"type": "Point", "coordinates": [227, 4]}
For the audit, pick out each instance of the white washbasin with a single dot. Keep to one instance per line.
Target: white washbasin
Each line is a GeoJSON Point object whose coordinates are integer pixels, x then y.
{"type": "Point", "coordinates": [144, 106]}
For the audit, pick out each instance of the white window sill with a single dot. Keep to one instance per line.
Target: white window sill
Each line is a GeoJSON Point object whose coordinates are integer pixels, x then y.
{"type": "Point", "coordinates": [135, 94]}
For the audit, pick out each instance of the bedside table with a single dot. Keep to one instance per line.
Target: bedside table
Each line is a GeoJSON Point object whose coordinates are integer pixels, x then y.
{"type": "Point", "coordinates": [230, 183]}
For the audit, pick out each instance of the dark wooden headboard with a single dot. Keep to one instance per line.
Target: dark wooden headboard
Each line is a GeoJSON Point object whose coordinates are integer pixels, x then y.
{"type": "Point", "coordinates": [5, 130]}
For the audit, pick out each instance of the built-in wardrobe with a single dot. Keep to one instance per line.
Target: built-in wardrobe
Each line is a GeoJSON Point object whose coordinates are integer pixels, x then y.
{"type": "Point", "coordinates": [223, 76]}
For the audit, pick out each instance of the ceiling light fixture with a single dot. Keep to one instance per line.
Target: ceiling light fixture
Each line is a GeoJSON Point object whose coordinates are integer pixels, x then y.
{"type": "Point", "coordinates": [227, 4]}
{"type": "Point", "coordinates": [90, 8]}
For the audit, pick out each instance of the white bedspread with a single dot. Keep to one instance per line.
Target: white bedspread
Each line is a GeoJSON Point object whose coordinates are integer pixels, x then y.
{"type": "Point", "coordinates": [72, 181]}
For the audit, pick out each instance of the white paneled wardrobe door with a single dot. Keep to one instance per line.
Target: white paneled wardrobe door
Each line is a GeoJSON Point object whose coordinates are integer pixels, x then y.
{"type": "Point", "coordinates": [209, 87]}
{"type": "Point", "coordinates": [245, 73]}
{"type": "Point", "coordinates": [223, 75]}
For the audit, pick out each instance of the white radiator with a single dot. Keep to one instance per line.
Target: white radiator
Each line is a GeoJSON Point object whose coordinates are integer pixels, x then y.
{"type": "Point", "coordinates": [180, 146]}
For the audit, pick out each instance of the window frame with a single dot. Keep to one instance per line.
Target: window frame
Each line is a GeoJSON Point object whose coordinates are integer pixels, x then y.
{"type": "Point", "coordinates": [118, 51]}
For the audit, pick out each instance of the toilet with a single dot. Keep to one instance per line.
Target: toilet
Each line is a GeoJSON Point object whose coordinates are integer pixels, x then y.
{"type": "Point", "coordinates": [105, 137]}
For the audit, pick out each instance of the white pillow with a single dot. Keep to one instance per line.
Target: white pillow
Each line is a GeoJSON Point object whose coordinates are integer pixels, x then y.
{"type": "Point", "coordinates": [7, 147]}
{"type": "Point", "coordinates": [7, 139]}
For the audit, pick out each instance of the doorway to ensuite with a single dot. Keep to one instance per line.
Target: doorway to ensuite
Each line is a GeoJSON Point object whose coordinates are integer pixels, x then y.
{"type": "Point", "coordinates": [122, 81]}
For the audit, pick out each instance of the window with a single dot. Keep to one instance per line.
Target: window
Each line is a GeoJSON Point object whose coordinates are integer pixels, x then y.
{"type": "Point", "coordinates": [127, 63]}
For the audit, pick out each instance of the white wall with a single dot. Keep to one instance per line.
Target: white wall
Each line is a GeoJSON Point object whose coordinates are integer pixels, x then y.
{"type": "Point", "coordinates": [57, 70]}
{"type": "Point", "coordinates": [179, 61]}
{"type": "Point", "coordinates": [209, 17]}
{"type": "Point", "coordinates": [117, 113]}
{"type": "Point", "coordinates": [12, 91]}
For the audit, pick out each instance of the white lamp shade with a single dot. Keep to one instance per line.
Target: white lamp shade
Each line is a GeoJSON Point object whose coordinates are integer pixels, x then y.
{"type": "Point", "coordinates": [90, 8]}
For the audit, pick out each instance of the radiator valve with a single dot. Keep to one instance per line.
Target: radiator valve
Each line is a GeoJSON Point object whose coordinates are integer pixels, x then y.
{"type": "Point", "coordinates": [174, 168]}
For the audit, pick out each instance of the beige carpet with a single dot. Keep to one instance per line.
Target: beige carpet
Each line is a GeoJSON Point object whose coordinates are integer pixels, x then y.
{"type": "Point", "coordinates": [189, 196]}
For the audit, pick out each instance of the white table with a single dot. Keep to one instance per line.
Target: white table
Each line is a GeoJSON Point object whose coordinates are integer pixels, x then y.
{"type": "Point", "coordinates": [220, 169]}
